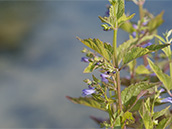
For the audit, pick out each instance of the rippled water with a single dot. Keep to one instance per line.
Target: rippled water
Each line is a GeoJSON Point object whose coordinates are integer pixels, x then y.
{"type": "Point", "coordinates": [43, 66]}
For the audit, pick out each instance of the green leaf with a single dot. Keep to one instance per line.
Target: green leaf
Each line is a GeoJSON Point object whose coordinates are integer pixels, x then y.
{"type": "Point", "coordinates": [141, 69]}
{"type": "Point", "coordinates": [146, 116]}
{"type": "Point", "coordinates": [120, 8]}
{"type": "Point", "coordinates": [124, 18]}
{"type": "Point", "coordinates": [132, 42]}
{"type": "Point", "coordinates": [155, 22]}
{"type": "Point", "coordinates": [164, 123]}
{"type": "Point", "coordinates": [164, 78]}
{"type": "Point", "coordinates": [160, 113]}
{"type": "Point", "coordinates": [127, 118]}
{"type": "Point", "coordinates": [129, 95]}
{"type": "Point", "coordinates": [167, 51]}
{"type": "Point", "coordinates": [138, 52]}
{"type": "Point", "coordinates": [89, 68]}
{"type": "Point", "coordinates": [134, 53]}
{"type": "Point", "coordinates": [127, 26]}
{"type": "Point", "coordinates": [98, 46]}
{"type": "Point", "coordinates": [87, 101]}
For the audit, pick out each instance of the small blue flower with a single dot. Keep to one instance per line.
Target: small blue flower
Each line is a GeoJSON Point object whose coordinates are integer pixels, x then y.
{"type": "Point", "coordinates": [84, 59]}
{"type": "Point", "coordinates": [135, 26]}
{"type": "Point", "coordinates": [148, 67]}
{"type": "Point", "coordinates": [114, 72]}
{"type": "Point", "coordinates": [165, 100]}
{"type": "Point", "coordinates": [89, 91]}
{"type": "Point", "coordinates": [134, 34]}
{"type": "Point", "coordinates": [161, 90]}
{"type": "Point", "coordinates": [153, 74]}
{"type": "Point", "coordinates": [145, 23]}
{"type": "Point", "coordinates": [104, 77]}
{"type": "Point", "coordinates": [147, 44]}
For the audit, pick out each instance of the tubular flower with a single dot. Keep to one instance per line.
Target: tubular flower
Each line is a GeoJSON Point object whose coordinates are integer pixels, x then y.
{"type": "Point", "coordinates": [89, 91]}
{"type": "Point", "coordinates": [84, 59]}
{"type": "Point", "coordinates": [165, 100]}
{"type": "Point", "coordinates": [104, 77]}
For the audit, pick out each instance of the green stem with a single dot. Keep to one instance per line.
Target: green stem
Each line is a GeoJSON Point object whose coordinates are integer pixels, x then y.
{"type": "Point", "coordinates": [141, 17]}
{"type": "Point", "coordinates": [115, 63]}
{"type": "Point", "coordinates": [170, 68]}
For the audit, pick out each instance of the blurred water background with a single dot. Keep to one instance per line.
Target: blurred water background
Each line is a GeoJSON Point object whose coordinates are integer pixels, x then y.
{"type": "Point", "coordinates": [40, 59]}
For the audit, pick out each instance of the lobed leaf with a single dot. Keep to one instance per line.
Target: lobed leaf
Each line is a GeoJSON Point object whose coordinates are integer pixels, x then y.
{"type": "Point", "coordinates": [164, 78]}
{"type": "Point", "coordinates": [87, 101]}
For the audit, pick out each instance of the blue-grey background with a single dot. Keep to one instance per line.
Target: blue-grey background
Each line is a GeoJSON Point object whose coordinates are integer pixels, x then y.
{"type": "Point", "coordinates": [40, 59]}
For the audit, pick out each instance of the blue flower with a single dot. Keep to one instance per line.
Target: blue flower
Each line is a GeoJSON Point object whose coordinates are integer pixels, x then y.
{"type": "Point", "coordinates": [84, 59]}
{"type": "Point", "coordinates": [165, 100]}
{"type": "Point", "coordinates": [148, 67]}
{"type": "Point", "coordinates": [145, 23]}
{"type": "Point", "coordinates": [134, 34]}
{"type": "Point", "coordinates": [147, 44]}
{"type": "Point", "coordinates": [89, 91]}
{"type": "Point", "coordinates": [135, 26]}
{"type": "Point", "coordinates": [104, 77]}
{"type": "Point", "coordinates": [161, 90]}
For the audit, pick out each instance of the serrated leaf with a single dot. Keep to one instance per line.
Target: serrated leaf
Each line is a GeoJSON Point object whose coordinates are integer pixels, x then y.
{"type": "Point", "coordinates": [160, 113]}
{"type": "Point", "coordinates": [138, 52]}
{"type": "Point", "coordinates": [155, 22]}
{"type": "Point", "coordinates": [164, 123]}
{"type": "Point", "coordinates": [98, 46]}
{"type": "Point", "coordinates": [120, 8]}
{"type": "Point", "coordinates": [141, 69]}
{"type": "Point", "coordinates": [124, 18]}
{"type": "Point", "coordinates": [134, 53]}
{"type": "Point", "coordinates": [130, 93]}
{"type": "Point", "coordinates": [164, 78]}
{"type": "Point", "coordinates": [126, 46]}
{"type": "Point", "coordinates": [87, 101]}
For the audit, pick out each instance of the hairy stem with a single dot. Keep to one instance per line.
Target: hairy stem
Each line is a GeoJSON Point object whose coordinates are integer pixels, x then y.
{"type": "Point", "coordinates": [115, 63]}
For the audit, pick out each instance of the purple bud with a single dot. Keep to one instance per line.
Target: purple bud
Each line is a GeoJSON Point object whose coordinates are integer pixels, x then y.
{"type": "Point", "coordinates": [89, 91]}
{"type": "Point", "coordinates": [142, 32]}
{"type": "Point", "coordinates": [145, 23]}
{"type": "Point", "coordinates": [147, 44]}
{"type": "Point", "coordinates": [161, 90]}
{"type": "Point", "coordinates": [104, 77]}
{"type": "Point", "coordinates": [148, 67]}
{"type": "Point", "coordinates": [153, 74]}
{"type": "Point", "coordinates": [135, 26]}
{"type": "Point", "coordinates": [165, 100]}
{"type": "Point", "coordinates": [134, 34]}
{"type": "Point", "coordinates": [114, 72]}
{"type": "Point", "coordinates": [84, 59]}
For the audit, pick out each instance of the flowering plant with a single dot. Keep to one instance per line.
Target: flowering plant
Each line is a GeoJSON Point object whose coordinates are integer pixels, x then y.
{"type": "Point", "coordinates": [134, 106]}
